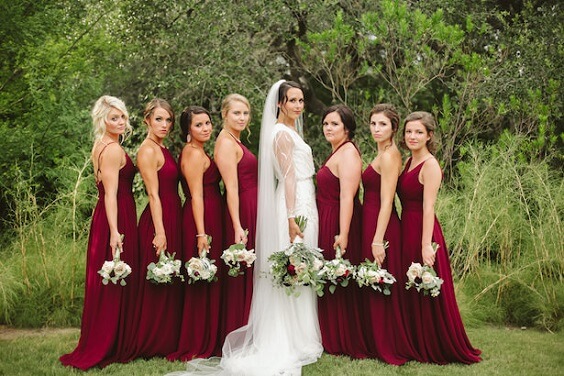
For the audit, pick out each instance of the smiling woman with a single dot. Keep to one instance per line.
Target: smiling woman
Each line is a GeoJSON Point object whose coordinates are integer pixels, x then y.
{"type": "Point", "coordinates": [202, 216]}
{"type": "Point", "coordinates": [340, 231]}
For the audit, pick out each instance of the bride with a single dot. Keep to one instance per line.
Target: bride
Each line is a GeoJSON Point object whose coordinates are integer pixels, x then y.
{"type": "Point", "coordinates": [282, 334]}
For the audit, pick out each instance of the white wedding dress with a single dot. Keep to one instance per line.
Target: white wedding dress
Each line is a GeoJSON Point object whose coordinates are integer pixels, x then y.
{"type": "Point", "coordinates": [283, 333]}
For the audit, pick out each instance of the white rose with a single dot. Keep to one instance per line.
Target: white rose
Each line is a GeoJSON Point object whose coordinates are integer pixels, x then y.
{"type": "Point", "coordinates": [240, 256]}
{"type": "Point", "coordinates": [301, 268]}
{"type": "Point", "coordinates": [341, 270]}
{"type": "Point", "coordinates": [204, 274]}
{"type": "Point", "coordinates": [120, 268]}
{"type": "Point", "coordinates": [228, 256]}
{"type": "Point", "coordinates": [107, 267]}
{"type": "Point", "coordinates": [427, 278]}
{"type": "Point", "coordinates": [317, 264]}
{"type": "Point", "coordinates": [414, 271]}
{"type": "Point", "coordinates": [195, 264]}
{"type": "Point", "coordinates": [158, 272]}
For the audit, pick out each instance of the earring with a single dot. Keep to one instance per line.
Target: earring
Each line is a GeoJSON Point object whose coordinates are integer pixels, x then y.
{"type": "Point", "coordinates": [188, 138]}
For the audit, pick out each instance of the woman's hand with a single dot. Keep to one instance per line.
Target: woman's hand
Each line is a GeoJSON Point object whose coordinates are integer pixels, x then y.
{"type": "Point", "coordinates": [379, 253]}
{"type": "Point", "coordinates": [241, 236]}
{"type": "Point", "coordinates": [341, 242]}
{"type": "Point", "coordinates": [294, 230]}
{"type": "Point", "coordinates": [116, 243]}
{"type": "Point", "coordinates": [159, 243]}
{"type": "Point", "coordinates": [203, 245]}
{"type": "Point", "coordinates": [428, 255]}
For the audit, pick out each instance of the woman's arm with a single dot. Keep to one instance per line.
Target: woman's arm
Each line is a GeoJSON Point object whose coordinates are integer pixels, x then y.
{"type": "Point", "coordinates": [110, 164]}
{"type": "Point", "coordinates": [349, 171]}
{"type": "Point", "coordinates": [430, 176]}
{"type": "Point", "coordinates": [227, 155]}
{"type": "Point", "coordinates": [283, 151]}
{"type": "Point", "coordinates": [194, 164]}
{"type": "Point", "coordinates": [389, 172]}
{"type": "Point", "coordinates": [148, 164]}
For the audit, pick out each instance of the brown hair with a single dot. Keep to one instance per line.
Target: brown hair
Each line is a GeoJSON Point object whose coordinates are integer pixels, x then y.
{"type": "Point", "coordinates": [430, 125]}
{"type": "Point", "coordinates": [346, 115]}
{"type": "Point", "coordinates": [186, 119]}
{"type": "Point", "coordinates": [390, 112]}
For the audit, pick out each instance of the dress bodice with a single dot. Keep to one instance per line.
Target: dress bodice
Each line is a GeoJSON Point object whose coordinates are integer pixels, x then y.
{"type": "Point", "coordinates": [302, 156]}
{"type": "Point", "coordinates": [168, 175]}
{"type": "Point", "coordinates": [210, 180]}
{"type": "Point", "coordinates": [247, 170]}
{"type": "Point", "coordinates": [125, 179]}
{"type": "Point", "coordinates": [410, 190]}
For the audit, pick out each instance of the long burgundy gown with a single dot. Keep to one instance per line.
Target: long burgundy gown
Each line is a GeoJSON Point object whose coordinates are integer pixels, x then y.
{"type": "Point", "coordinates": [238, 291]}
{"type": "Point", "coordinates": [199, 332]}
{"type": "Point", "coordinates": [434, 323]}
{"type": "Point", "coordinates": [105, 306]}
{"type": "Point", "coordinates": [385, 333]}
{"type": "Point", "coordinates": [339, 313]}
{"type": "Point", "coordinates": [160, 306]}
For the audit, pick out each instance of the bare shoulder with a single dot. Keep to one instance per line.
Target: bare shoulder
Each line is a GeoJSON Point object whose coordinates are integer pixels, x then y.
{"type": "Point", "coordinates": [431, 171]}
{"type": "Point", "coordinates": [391, 160]}
{"type": "Point", "coordinates": [225, 144]}
{"type": "Point", "coordinates": [348, 152]}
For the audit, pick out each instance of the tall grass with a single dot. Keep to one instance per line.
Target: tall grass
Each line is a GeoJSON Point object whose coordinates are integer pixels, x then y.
{"type": "Point", "coordinates": [503, 221]}
{"type": "Point", "coordinates": [42, 272]}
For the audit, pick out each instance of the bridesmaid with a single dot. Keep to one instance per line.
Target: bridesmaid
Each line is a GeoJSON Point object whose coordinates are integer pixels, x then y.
{"type": "Point", "coordinates": [386, 337]}
{"type": "Point", "coordinates": [340, 226]}
{"type": "Point", "coordinates": [202, 215]}
{"type": "Point", "coordinates": [239, 171]}
{"type": "Point", "coordinates": [114, 216]}
{"type": "Point", "coordinates": [160, 307]}
{"type": "Point", "coordinates": [435, 323]}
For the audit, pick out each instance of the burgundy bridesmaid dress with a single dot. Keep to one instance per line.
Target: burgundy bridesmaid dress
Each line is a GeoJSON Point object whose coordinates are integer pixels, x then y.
{"type": "Point", "coordinates": [385, 333]}
{"type": "Point", "coordinates": [199, 332]}
{"type": "Point", "coordinates": [434, 323]}
{"type": "Point", "coordinates": [160, 306]}
{"type": "Point", "coordinates": [339, 313]}
{"type": "Point", "coordinates": [237, 291]}
{"type": "Point", "coordinates": [105, 306]}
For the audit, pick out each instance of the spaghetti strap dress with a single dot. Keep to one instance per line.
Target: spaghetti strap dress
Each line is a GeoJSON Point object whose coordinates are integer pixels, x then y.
{"type": "Point", "coordinates": [385, 334]}
{"type": "Point", "coordinates": [199, 332]}
{"type": "Point", "coordinates": [105, 306]}
{"type": "Point", "coordinates": [339, 313]}
{"type": "Point", "coordinates": [237, 291]}
{"type": "Point", "coordinates": [160, 306]}
{"type": "Point", "coordinates": [434, 323]}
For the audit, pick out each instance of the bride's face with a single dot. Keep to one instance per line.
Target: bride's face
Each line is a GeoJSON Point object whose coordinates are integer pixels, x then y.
{"type": "Point", "coordinates": [294, 104]}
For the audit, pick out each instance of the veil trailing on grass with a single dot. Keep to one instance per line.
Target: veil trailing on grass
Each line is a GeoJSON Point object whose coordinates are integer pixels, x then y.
{"type": "Point", "coordinates": [282, 334]}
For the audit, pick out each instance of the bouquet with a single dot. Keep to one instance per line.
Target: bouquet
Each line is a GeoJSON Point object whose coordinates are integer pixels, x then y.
{"type": "Point", "coordinates": [237, 256]}
{"type": "Point", "coordinates": [115, 270]}
{"type": "Point", "coordinates": [337, 271]}
{"type": "Point", "coordinates": [165, 269]}
{"type": "Point", "coordinates": [201, 268]}
{"type": "Point", "coordinates": [424, 278]}
{"type": "Point", "coordinates": [297, 265]}
{"type": "Point", "coordinates": [368, 273]}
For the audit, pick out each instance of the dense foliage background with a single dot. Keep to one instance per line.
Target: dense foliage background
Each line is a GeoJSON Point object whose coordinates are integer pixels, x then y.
{"type": "Point", "coordinates": [491, 72]}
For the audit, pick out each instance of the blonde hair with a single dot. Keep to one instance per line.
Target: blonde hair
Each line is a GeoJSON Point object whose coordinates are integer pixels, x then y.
{"type": "Point", "coordinates": [100, 113]}
{"type": "Point", "coordinates": [153, 105]}
{"type": "Point", "coordinates": [228, 101]}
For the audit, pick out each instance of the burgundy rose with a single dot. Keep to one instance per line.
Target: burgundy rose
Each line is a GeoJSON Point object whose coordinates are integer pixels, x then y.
{"type": "Point", "coordinates": [291, 269]}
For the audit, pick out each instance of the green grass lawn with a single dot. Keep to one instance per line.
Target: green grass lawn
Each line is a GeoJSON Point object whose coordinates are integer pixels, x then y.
{"type": "Point", "coordinates": [505, 352]}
